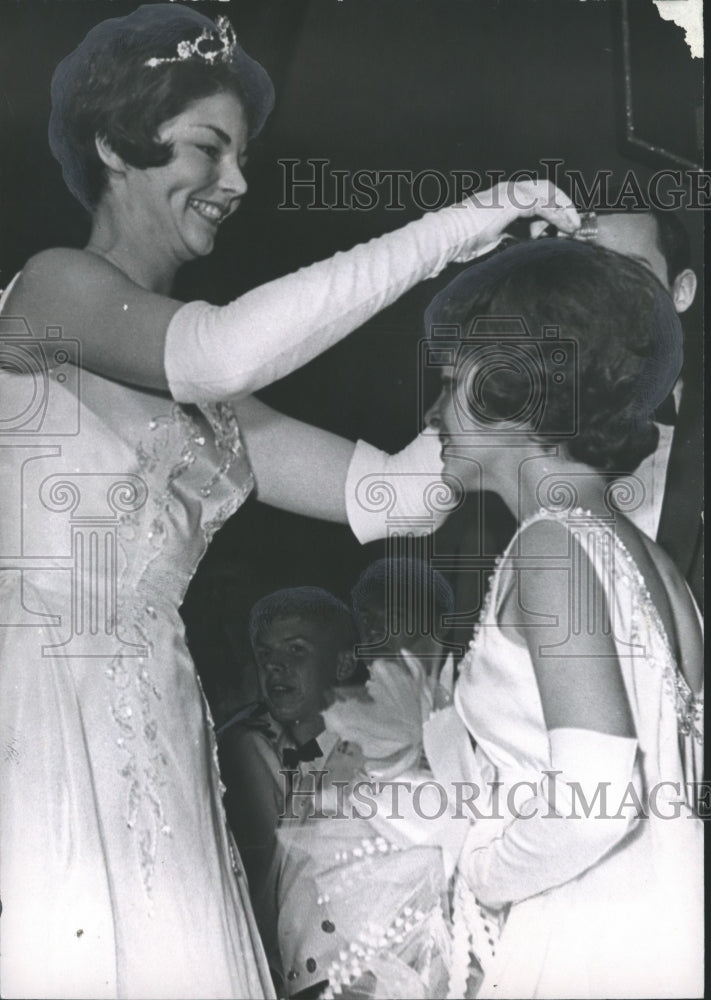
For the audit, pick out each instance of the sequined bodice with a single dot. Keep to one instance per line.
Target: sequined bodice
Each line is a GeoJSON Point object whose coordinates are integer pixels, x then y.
{"type": "Point", "coordinates": [112, 830]}
{"type": "Point", "coordinates": [117, 481]}
{"type": "Point", "coordinates": [110, 496]}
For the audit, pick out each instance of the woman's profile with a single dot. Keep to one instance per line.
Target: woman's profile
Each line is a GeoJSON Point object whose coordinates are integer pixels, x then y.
{"type": "Point", "coordinates": [582, 686]}
{"type": "Point", "coordinates": [119, 876]}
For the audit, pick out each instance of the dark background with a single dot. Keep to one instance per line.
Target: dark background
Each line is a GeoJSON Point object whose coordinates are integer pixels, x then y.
{"type": "Point", "coordinates": [367, 84]}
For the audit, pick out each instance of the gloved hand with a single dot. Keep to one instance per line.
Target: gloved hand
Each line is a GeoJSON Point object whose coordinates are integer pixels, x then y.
{"type": "Point", "coordinates": [404, 492]}
{"type": "Point", "coordinates": [212, 352]}
{"type": "Point", "coordinates": [553, 840]}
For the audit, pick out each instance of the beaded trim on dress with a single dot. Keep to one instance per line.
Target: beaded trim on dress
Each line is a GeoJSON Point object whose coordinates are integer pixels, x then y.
{"type": "Point", "coordinates": [476, 930]}
{"type": "Point", "coordinates": [132, 708]}
{"type": "Point", "coordinates": [688, 704]}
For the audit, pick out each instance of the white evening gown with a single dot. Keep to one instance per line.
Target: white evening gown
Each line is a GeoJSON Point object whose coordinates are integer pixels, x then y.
{"type": "Point", "coordinates": [632, 924]}
{"type": "Point", "coordinates": [118, 877]}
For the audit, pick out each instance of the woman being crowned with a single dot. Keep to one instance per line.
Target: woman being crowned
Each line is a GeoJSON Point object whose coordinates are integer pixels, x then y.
{"type": "Point", "coordinates": [118, 875]}
{"type": "Point", "coordinates": [583, 684]}
{"type": "Point", "coordinates": [581, 871]}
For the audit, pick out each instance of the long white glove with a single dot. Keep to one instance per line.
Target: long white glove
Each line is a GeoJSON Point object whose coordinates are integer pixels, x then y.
{"type": "Point", "coordinates": [213, 352]}
{"type": "Point", "coordinates": [403, 493]}
{"type": "Point", "coordinates": [554, 841]}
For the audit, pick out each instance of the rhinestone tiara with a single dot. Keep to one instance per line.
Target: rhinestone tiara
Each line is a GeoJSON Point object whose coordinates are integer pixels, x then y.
{"type": "Point", "coordinates": [212, 45]}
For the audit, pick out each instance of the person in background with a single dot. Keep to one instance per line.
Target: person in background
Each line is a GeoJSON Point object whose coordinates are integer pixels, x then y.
{"type": "Point", "coordinates": [671, 511]}
{"type": "Point", "coordinates": [401, 602]}
{"type": "Point", "coordinates": [303, 640]}
{"type": "Point", "coordinates": [338, 936]}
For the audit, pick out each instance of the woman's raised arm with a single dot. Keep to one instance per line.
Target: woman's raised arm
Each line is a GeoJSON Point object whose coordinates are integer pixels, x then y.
{"type": "Point", "coordinates": [203, 352]}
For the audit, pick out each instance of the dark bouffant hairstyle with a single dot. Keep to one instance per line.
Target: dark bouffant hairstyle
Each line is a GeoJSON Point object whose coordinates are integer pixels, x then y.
{"type": "Point", "coordinates": [314, 603]}
{"type": "Point", "coordinates": [105, 87]}
{"type": "Point", "coordinates": [628, 337]}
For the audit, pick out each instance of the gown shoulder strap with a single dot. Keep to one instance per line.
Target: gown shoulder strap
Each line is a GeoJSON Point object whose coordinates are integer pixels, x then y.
{"type": "Point", "coordinates": [5, 293]}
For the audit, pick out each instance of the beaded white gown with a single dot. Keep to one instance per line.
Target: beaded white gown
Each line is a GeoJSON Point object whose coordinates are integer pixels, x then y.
{"type": "Point", "coordinates": [632, 924]}
{"type": "Point", "coordinates": [118, 877]}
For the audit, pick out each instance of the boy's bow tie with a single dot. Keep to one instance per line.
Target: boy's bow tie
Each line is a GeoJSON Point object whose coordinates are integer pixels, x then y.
{"type": "Point", "coordinates": [290, 756]}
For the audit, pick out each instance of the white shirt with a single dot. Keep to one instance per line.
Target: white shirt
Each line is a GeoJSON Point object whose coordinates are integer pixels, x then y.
{"type": "Point", "coordinates": [650, 479]}
{"type": "Point", "coordinates": [652, 475]}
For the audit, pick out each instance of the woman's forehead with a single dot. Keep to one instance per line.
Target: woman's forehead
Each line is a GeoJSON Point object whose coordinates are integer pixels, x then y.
{"type": "Point", "coordinates": [222, 112]}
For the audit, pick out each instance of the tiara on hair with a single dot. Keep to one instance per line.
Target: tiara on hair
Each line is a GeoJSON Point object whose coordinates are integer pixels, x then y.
{"type": "Point", "coordinates": [223, 36]}
{"type": "Point", "coordinates": [588, 227]}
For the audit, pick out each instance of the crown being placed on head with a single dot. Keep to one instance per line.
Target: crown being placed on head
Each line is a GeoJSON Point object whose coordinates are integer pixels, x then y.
{"type": "Point", "coordinates": [212, 45]}
{"type": "Point", "coordinates": [588, 227]}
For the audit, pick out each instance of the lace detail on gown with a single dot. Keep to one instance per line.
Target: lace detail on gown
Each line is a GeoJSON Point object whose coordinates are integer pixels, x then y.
{"type": "Point", "coordinates": [110, 775]}
{"type": "Point", "coordinates": [223, 421]}
{"type": "Point", "coordinates": [688, 705]}
{"type": "Point", "coordinates": [133, 708]}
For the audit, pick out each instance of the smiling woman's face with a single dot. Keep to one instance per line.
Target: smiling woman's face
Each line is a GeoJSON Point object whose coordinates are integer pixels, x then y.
{"type": "Point", "coordinates": [182, 204]}
{"type": "Point", "coordinates": [297, 661]}
{"type": "Point", "coordinates": [459, 432]}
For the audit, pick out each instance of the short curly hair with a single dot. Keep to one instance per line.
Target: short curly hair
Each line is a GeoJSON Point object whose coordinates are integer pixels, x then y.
{"type": "Point", "coordinates": [105, 87]}
{"type": "Point", "coordinates": [314, 603]}
{"type": "Point", "coordinates": [628, 336]}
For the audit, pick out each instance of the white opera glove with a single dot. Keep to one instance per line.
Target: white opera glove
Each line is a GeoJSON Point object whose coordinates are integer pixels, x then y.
{"type": "Point", "coordinates": [212, 352]}
{"type": "Point", "coordinates": [553, 841]}
{"type": "Point", "coordinates": [406, 492]}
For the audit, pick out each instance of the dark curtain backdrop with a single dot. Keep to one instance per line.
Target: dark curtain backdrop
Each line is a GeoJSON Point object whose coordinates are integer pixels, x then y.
{"type": "Point", "coordinates": [365, 84]}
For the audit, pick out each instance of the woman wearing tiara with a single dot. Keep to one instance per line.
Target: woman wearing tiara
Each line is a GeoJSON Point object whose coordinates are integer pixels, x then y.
{"type": "Point", "coordinates": [118, 875]}
{"type": "Point", "coordinates": [582, 686]}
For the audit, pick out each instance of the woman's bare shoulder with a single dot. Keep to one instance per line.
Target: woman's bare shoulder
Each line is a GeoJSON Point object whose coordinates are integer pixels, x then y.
{"type": "Point", "coordinates": [121, 325]}
{"type": "Point", "coordinates": [545, 539]}
{"type": "Point", "coordinates": [62, 273]}
{"type": "Point", "coordinates": [65, 258]}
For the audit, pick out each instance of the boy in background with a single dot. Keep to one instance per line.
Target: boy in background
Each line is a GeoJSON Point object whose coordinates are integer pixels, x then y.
{"type": "Point", "coordinates": [303, 640]}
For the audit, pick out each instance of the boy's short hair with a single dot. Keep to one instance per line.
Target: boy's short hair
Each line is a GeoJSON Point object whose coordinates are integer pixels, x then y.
{"type": "Point", "coordinates": [314, 603]}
